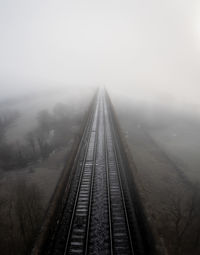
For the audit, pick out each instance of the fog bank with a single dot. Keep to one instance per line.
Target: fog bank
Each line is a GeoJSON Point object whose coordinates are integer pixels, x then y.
{"type": "Point", "coordinates": [148, 49]}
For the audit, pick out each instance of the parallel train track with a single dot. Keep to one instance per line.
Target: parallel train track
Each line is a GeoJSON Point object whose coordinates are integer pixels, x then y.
{"type": "Point", "coordinates": [96, 216]}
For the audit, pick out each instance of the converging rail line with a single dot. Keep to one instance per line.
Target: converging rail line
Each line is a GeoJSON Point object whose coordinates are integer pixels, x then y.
{"type": "Point", "coordinates": [98, 215]}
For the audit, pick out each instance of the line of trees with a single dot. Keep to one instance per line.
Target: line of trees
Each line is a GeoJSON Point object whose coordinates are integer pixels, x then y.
{"type": "Point", "coordinates": [53, 131]}
{"type": "Point", "coordinates": [21, 203]}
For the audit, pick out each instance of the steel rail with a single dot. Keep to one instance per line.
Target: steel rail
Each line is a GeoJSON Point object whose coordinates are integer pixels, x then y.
{"type": "Point", "coordinates": [91, 190]}
{"type": "Point", "coordinates": [98, 155]}
{"type": "Point", "coordinates": [86, 130]}
{"type": "Point", "coordinates": [99, 240]}
{"type": "Point", "coordinates": [108, 183]}
{"type": "Point", "coordinates": [76, 162]}
{"type": "Point", "coordinates": [78, 189]}
{"type": "Point", "coordinates": [139, 246]}
{"type": "Point", "coordinates": [113, 133]}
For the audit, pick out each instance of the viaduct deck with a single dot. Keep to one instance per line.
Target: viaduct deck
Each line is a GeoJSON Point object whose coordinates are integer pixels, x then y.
{"type": "Point", "coordinates": [99, 215]}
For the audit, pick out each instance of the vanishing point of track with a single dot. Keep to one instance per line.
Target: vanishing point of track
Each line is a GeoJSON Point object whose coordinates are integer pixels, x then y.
{"type": "Point", "coordinates": [94, 219]}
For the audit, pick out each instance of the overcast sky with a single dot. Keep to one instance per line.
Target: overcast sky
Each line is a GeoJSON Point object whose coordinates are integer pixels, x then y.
{"type": "Point", "coordinates": [149, 47]}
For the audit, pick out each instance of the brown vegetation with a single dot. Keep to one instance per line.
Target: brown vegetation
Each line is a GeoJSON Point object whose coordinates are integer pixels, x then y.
{"type": "Point", "coordinates": [180, 225]}
{"type": "Point", "coordinates": [21, 213]}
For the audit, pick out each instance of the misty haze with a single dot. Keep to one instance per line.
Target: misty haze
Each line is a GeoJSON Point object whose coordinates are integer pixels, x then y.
{"type": "Point", "coordinates": [99, 127]}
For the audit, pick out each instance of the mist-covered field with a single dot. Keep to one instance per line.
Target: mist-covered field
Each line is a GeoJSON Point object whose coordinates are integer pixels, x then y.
{"type": "Point", "coordinates": [29, 105]}
{"type": "Point", "coordinates": [37, 134]}
{"type": "Point", "coordinates": [28, 108]}
{"type": "Point", "coordinates": [164, 143]}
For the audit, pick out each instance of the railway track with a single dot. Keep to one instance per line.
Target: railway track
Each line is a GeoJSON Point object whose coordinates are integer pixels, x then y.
{"type": "Point", "coordinates": [98, 216]}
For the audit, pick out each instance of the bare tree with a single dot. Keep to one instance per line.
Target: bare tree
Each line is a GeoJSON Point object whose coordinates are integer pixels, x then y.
{"type": "Point", "coordinates": [28, 209]}
{"type": "Point", "coordinates": [31, 141]}
{"type": "Point", "coordinates": [44, 120]}
{"type": "Point", "coordinates": [185, 222]}
{"type": "Point", "coordinates": [20, 218]}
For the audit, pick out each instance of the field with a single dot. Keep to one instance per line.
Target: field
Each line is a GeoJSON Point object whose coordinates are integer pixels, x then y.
{"type": "Point", "coordinates": [165, 144]}
{"type": "Point", "coordinates": [40, 131]}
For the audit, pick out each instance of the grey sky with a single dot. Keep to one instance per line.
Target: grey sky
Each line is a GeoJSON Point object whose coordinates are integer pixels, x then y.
{"type": "Point", "coordinates": [140, 46]}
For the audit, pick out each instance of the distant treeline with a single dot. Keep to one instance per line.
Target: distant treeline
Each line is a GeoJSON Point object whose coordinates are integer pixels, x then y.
{"type": "Point", "coordinates": [21, 202]}
{"type": "Point", "coordinates": [53, 131]}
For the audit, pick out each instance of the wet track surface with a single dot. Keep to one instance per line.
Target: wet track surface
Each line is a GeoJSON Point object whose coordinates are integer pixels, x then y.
{"type": "Point", "coordinates": [96, 216]}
